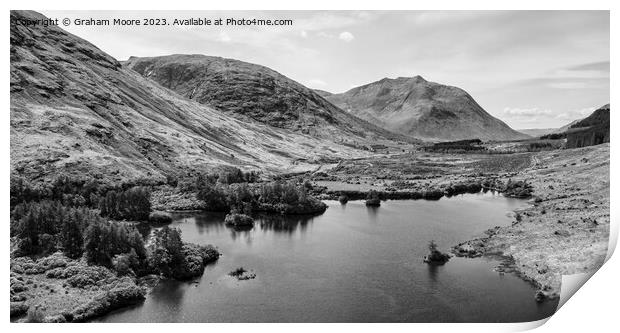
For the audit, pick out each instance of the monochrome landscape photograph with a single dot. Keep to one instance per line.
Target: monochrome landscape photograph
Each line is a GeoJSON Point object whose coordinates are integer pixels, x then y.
{"type": "Point", "coordinates": [305, 166]}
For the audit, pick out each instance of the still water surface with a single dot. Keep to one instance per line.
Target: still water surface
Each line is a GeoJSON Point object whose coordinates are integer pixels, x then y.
{"type": "Point", "coordinates": [350, 264]}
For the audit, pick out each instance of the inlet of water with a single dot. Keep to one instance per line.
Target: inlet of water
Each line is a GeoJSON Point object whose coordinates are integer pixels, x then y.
{"type": "Point", "coordinates": [350, 264]}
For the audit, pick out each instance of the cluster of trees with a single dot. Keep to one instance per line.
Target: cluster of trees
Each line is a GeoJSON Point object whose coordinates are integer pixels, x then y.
{"type": "Point", "coordinates": [277, 196]}
{"type": "Point", "coordinates": [553, 136]}
{"type": "Point", "coordinates": [48, 226]}
{"type": "Point", "coordinates": [104, 240]}
{"type": "Point", "coordinates": [456, 146]}
{"type": "Point", "coordinates": [225, 176]}
{"type": "Point", "coordinates": [166, 251]}
{"type": "Point", "coordinates": [116, 202]}
{"type": "Point", "coordinates": [541, 145]}
{"type": "Point", "coordinates": [74, 216]}
{"type": "Point", "coordinates": [131, 204]}
{"type": "Point", "coordinates": [61, 215]}
{"type": "Point", "coordinates": [71, 191]}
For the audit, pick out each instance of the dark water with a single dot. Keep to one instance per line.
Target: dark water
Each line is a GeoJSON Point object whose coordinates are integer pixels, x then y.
{"type": "Point", "coordinates": [351, 264]}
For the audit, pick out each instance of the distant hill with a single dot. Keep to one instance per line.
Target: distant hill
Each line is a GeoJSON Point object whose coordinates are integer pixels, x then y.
{"type": "Point", "coordinates": [424, 110]}
{"type": "Point", "coordinates": [536, 132]}
{"type": "Point", "coordinates": [253, 92]}
{"type": "Point", "coordinates": [566, 127]}
{"type": "Point", "coordinates": [592, 130]}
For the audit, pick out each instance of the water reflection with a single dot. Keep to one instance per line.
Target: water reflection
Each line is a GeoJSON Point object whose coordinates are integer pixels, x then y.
{"type": "Point", "coordinates": [212, 222]}
{"type": "Point", "coordinates": [432, 273]}
{"type": "Point", "coordinates": [372, 212]}
{"type": "Point", "coordinates": [284, 224]}
{"type": "Point", "coordinates": [241, 233]}
{"type": "Point", "coordinates": [342, 267]}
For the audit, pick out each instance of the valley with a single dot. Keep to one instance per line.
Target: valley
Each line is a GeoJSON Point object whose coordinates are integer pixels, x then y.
{"type": "Point", "coordinates": [133, 177]}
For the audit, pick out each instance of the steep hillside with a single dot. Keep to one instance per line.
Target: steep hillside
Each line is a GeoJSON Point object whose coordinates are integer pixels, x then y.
{"type": "Point", "coordinates": [249, 91]}
{"type": "Point", "coordinates": [422, 109]}
{"type": "Point", "coordinates": [566, 127]}
{"type": "Point", "coordinates": [592, 130]}
{"type": "Point", "coordinates": [76, 109]}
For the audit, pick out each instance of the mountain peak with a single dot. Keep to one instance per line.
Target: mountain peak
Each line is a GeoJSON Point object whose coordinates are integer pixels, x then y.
{"type": "Point", "coordinates": [418, 79]}
{"type": "Point", "coordinates": [253, 92]}
{"type": "Point", "coordinates": [423, 110]}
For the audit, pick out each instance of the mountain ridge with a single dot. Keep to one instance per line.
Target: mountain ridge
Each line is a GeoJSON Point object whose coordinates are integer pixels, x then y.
{"type": "Point", "coordinates": [254, 92]}
{"type": "Point", "coordinates": [424, 110]}
{"type": "Point", "coordinates": [76, 109]}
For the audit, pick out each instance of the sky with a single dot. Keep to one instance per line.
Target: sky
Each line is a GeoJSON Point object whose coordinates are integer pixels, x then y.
{"type": "Point", "coordinates": [531, 69]}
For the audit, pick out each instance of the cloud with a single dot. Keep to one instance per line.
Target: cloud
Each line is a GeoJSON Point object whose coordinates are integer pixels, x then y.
{"type": "Point", "coordinates": [534, 116]}
{"type": "Point", "coordinates": [568, 85]}
{"type": "Point", "coordinates": [575, 114]}
{"type": "Point", "coordinates": [346, 36]}
{"type": "Point", "coordinates": [526, 112]}
{"type": "Point", "coordinates": [223, 37]}
{"type": "Point", "coordinates": [601, 66]}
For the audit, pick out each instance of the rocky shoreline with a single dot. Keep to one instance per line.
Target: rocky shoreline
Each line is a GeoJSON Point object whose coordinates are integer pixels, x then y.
{"type": "Point", "coordinates": [564, 230]}
{"type": "Point", "coordinates": [59, 289]}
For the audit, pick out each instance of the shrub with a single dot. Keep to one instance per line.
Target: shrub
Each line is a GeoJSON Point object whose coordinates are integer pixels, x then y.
{"type": "Point", "coordinates": [36, 314]}
{"type": "Point", "coordinates": [435, 256]}
{"type": "Point", "coordinates": [125, 293]}
{"type": "Point", "coordinates": [195, 257]}
{"type": "Point", "coordinates": [373, 198]}
{"type": "Point", "coordinates": [517, 189]}
{"type": "Point", "coordinates": [86, 275]}
{"type": "Point", "coordinates": [160, 217]}
{"type": "Point", "coordinates": [126, 263]}
{"type": "Point", "coordinates": [214, 197]}
{"type": "Point", "coordinates": [18, 309]}
{"type": "Point", "coordinates": [238, 220]}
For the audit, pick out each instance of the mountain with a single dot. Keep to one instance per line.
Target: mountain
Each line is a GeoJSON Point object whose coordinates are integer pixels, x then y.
{"type": "Point", "coordinates": [424, 110]}
{"type": "Point", "coordinates": [592, 130]}
{"type": "Point", "coordinates": [322, 93]}
{"type": "Point", "coordinates": [257, 93]}
{"type": "Point", "coordinates": [76, 109]}
{"type": "Point", "coordinates": [567, 126]}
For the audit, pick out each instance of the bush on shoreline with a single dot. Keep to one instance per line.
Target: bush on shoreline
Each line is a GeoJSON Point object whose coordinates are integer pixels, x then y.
{"type": "Point", "coordinates": [238, 220]}
{"type": "Point", "coordinates": [169, 256]}
{"type": "Point", "coordinates": [274, 197]}
{"type": "Point", "coordinates": [373, 198]}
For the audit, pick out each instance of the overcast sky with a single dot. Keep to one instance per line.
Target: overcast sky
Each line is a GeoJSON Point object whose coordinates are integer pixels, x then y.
{"type": "Point", "coordinates": [532, 69]}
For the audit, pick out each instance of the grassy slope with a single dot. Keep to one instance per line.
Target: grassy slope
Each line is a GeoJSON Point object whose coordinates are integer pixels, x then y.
{"type": "Point", "coordinates": [568, 231]}
{"type": "Point", "coordinates": [75, 109]}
